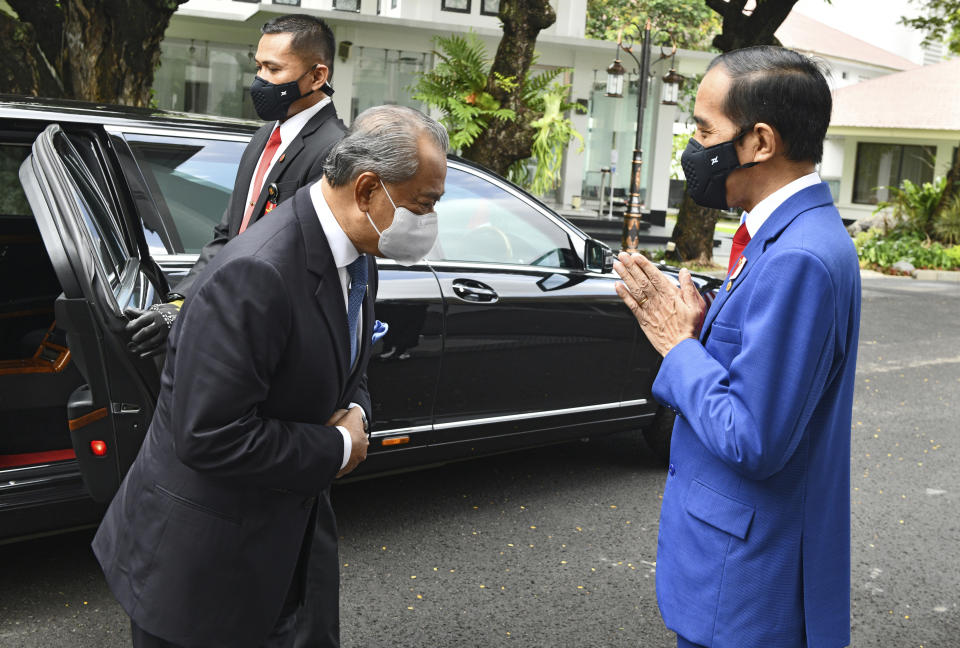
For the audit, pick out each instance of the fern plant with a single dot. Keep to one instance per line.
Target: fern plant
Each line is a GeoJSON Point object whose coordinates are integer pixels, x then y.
{"type": "Point", "coordinates": [458, 87]}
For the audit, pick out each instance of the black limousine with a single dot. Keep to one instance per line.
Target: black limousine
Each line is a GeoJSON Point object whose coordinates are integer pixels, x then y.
{"type": "Point", "coordinates": [509, 335]}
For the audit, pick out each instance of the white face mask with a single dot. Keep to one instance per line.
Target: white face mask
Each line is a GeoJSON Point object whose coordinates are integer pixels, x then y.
{"type": "Point", "coordinates": [409, 237]}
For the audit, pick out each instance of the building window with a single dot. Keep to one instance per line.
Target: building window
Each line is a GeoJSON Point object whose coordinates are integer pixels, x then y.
{"type": "Point", "coordinates": [292, 3]}
{"type": "Point", "coordinates": [490, 7]}
{"type": "Point", "coordinates": [460, 6]}
{"type": "Point", "coordinates": [610, 139]}
{"type": "Point", "coordinates": [382, 76]}
{"type": "Point", "coordinates": [347, 5]}
{"type": "Point", "coordinates": [195, 96]}
{"type": "Point", "coordinates": [206, 77]}
{"type": "Point", "coordinates": [880, 166]}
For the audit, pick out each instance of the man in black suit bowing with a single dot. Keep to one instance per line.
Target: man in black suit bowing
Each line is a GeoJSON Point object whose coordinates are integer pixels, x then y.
{"type": "Point", "coordinates": [292, 93]}
{"type": "Point", "coordinates": [209, 540]}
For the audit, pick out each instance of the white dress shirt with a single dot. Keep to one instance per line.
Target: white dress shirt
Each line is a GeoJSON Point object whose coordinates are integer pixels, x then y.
{"type": "Point", "coordinates": [762, 210]}
{"type": "Point", "coordinates": [344, 253]}
{"type": "Point", "coordinates": [289, 129]}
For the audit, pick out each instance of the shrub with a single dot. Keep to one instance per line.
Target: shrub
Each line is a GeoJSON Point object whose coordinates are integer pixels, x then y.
{"type": "Point", "coordinates": [879, 250]}
{"type": "Point", "coordinates": [947, 224]}
{"type": "Point", "coordinates": [914, 205]}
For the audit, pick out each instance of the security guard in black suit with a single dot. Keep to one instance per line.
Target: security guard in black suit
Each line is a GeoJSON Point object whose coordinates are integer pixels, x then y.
{"type": "Point", "coordinates": [292, 92]}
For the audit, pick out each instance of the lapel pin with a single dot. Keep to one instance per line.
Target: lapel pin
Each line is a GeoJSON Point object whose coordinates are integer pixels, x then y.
{"type": "Point", "coordinates": [282, 155]}
{"type": "Point", "coordinates": [736, 272]}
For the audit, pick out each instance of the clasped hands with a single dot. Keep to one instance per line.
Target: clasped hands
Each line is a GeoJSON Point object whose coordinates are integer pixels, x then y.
{"type": "Point", "coordinates": [667, 314]}
{"type": "Point", "coordinates": [350, 419]}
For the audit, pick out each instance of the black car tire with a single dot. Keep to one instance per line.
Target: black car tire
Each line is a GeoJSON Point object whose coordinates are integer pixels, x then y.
{"type": "Point", "coordinates": [659, 432]}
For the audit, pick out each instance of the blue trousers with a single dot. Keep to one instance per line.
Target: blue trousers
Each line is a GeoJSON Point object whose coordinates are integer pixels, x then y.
{"type": "Point", "coordinates": [683, 643]}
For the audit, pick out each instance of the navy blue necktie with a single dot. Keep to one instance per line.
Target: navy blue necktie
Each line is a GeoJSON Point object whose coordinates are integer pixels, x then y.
{"type": "Point", "coordinates": [358, 288]}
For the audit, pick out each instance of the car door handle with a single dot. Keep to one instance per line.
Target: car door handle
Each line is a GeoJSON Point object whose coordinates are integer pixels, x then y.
{"type": "Point", "coordinates": [474, 291]}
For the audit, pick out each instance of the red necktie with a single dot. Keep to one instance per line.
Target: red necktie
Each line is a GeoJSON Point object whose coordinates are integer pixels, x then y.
{"type": "Point", "coordinates": [740, 240]}
{"type": "Point", "coordinates": [272, 145]}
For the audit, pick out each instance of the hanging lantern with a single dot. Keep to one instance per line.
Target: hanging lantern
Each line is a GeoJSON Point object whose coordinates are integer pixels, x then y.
{"type": "Point", "coordinates": [615, 76]}
{"type": "Point", "coordinates": [671, 87]}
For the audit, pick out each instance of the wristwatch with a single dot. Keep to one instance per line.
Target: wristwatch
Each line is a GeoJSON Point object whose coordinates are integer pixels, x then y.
{"type": "Point", "coordinates": [363, 417]}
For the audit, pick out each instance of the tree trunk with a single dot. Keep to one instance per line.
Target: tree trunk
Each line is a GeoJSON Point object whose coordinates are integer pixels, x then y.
{"type": "Point", "coordinates": [502, 143]}
{"type": "Point", "coordinates": [693, 233]}
{"type": "Point", "coordinates": [97, 50]}
{"type": "Point", "coordinates": [744, 30]}
{"type": "Point", "coordinates": [24, 70]}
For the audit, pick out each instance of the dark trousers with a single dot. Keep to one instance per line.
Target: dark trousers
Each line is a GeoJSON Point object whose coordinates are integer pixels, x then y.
{"type": "Point", "coordinates": [318, 619]}
{"type": "Point", "coordinates": [281, 637]}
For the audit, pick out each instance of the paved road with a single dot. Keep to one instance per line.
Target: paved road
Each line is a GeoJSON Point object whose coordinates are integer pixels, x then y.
{"type": "Point", "coordinates": [555, 547]}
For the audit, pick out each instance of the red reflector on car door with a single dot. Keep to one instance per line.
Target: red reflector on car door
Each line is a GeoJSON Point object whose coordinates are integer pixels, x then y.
{"type": "Point", "coordinates": [98, 448]}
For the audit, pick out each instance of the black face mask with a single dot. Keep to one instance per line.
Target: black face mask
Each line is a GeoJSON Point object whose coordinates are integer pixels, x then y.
{"type": "Point", "coordinates": [707, 169]}
{"type": "Point", "coordinates": [272, 100]}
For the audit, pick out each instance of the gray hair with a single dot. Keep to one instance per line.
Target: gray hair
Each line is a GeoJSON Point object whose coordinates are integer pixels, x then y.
{"type": "Point", "coordinates": [384, 140]}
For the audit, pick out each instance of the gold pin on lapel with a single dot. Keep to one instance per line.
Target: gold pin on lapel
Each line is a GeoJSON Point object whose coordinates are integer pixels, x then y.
{"type": "Point", "coordinates": [282, 155]}
{"type": "Point", "coordinates": [736, 272]}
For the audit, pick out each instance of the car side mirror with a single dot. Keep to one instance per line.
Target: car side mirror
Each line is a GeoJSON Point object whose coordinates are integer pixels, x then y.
{"type": "Point", "coordinates": [598, 256]}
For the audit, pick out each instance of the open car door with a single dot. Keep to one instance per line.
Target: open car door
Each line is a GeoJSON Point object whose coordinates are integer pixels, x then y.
{"type": "Point", "coordinates": [103, 267]}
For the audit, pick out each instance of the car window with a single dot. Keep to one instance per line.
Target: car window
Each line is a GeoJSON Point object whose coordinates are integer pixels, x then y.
{"type": "Point", "coordinates": [13, 202]}
{"type": "Point", "coordinates": [191, 180]}
{"type": "Point", "coordinates": [479, 221]}
{"type": "Point", "coordinates": [106, 240]}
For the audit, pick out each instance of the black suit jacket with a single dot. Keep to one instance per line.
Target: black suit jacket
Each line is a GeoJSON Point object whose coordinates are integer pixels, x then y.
{"type": "Point", "coordinates": [301, 163]}
{"type": "Point", "coordinates": [200, 545]}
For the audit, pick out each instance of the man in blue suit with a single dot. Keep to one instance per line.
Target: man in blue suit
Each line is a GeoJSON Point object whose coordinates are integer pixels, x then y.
{"type": "Point", "coordinates": [754, 546]}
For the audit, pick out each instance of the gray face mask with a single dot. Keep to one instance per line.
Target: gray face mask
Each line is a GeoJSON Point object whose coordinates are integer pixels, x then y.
{"type": "Point", "coordinates": [409, 237]}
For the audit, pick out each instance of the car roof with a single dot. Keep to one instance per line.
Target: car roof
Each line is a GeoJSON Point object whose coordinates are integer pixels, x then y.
{"type": "Point", "coordinates": [34, 108]}
{"type": "Point", "coordinates": [69, 110]}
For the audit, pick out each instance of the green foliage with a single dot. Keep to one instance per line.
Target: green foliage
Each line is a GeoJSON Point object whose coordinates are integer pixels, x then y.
{"type": "Point", "coordinates": [679, 144]}
{"type": "Point", "coordinates": [939, 21]}
{"type": "Point", "coordinates": [881, 250]}
{"type": "Point", "coordinates": [953, 253]}
{"type": "Point", "coordinates": [458, 87]}
{"type": "Point", "coordinates": [692, 24]}
{"type": "Point", "coordinates": [553, 133]}
{"type": "Point", "coordinates": [947, 224]}
{"type": "Point", "coordinates": [914, 205]}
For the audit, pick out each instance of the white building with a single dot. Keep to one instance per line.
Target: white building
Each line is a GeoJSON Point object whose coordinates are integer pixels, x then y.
{"type": "Point", "coordinates": [895, 116]}
{"type": "Point", "coordinates": [207, 66]}
{"type": "Point", "coordinates": [895, 127]}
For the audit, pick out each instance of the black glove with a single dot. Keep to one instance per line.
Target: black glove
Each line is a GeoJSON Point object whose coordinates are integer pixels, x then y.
{"type": "Point", "coordinates": [148, 329]}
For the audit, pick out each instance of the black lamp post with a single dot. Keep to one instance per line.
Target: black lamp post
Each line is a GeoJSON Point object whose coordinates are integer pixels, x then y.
{"type": "Point", "coordinates": [633, 218]}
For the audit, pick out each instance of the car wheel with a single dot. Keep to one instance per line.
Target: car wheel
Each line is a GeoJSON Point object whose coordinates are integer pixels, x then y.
{"type": "Point", "coordinates": [658, 433]}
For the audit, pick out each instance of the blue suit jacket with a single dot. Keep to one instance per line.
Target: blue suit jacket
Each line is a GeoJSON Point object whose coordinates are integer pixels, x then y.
{"type": "Point", "coordinates": [754, 546]}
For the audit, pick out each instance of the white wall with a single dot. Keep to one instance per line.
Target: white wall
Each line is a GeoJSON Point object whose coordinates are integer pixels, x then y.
{"type": "Point", "coordinates": [571, 14]}
{"type": "Point", "coordinates": [943, 141]}
{"type": "Point", "coordinates": [413, 28]}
